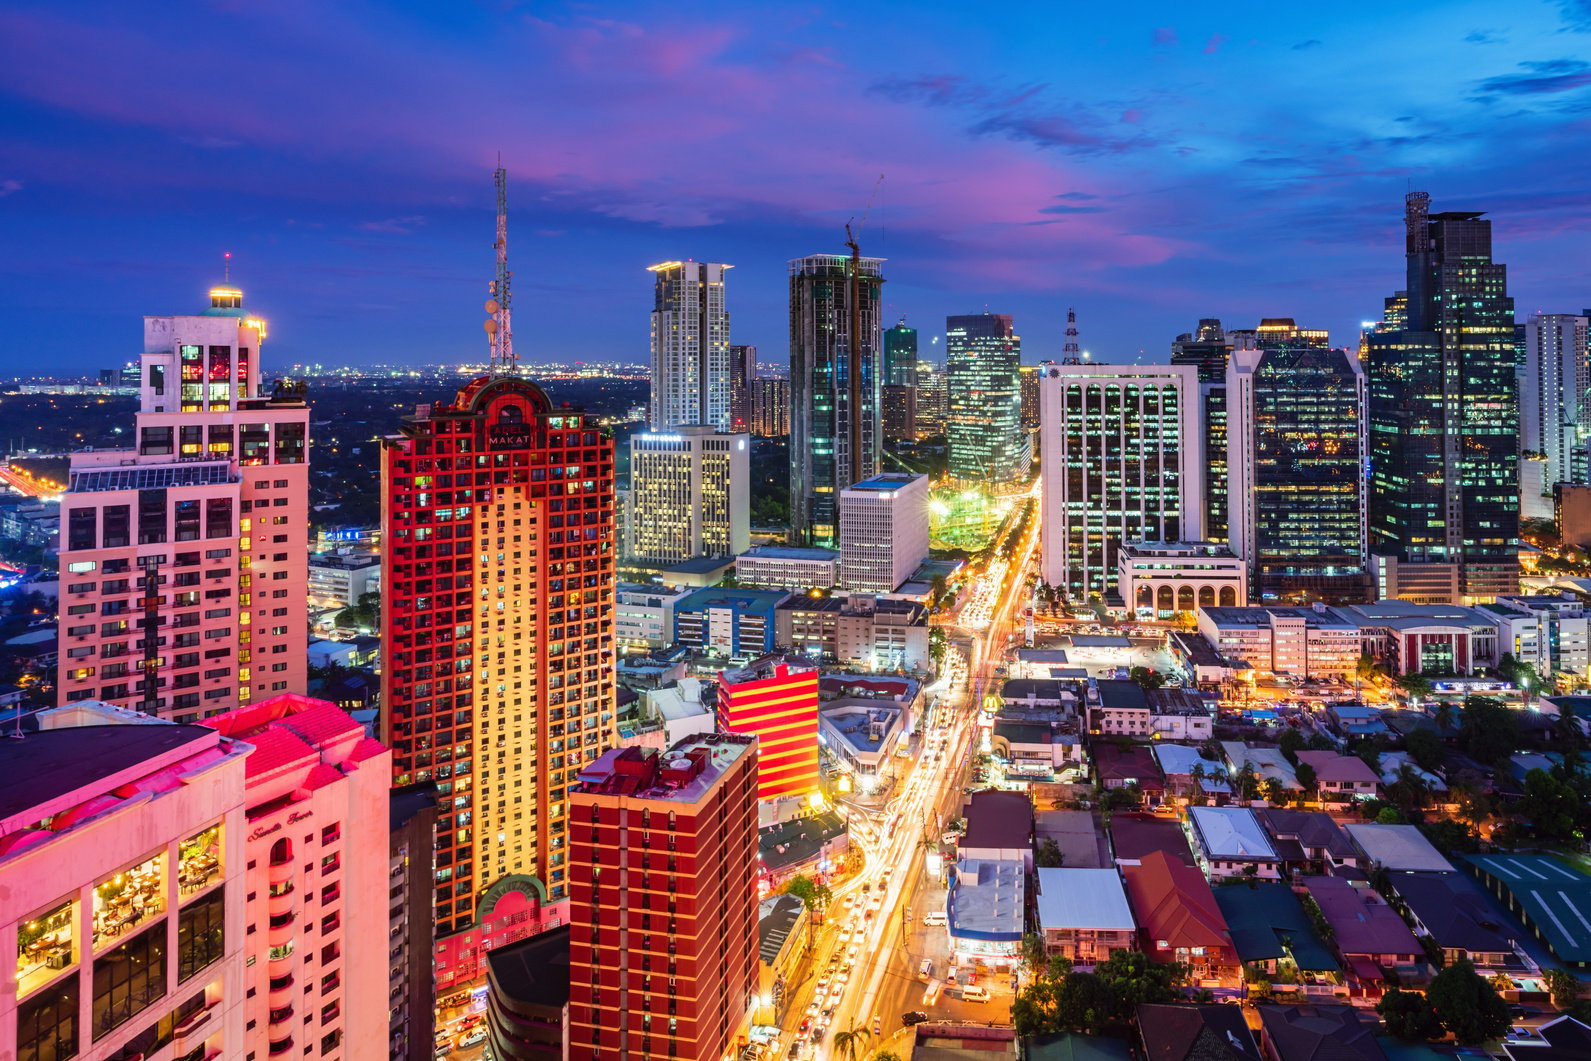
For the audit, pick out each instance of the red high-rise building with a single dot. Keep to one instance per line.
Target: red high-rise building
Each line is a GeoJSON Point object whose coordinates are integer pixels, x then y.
{"type": "Point", "coordinates": [663, 949]}
{"type": "Point", "coordinates": [497, 629]}
{"type": "Point", "coordinates": [776, 702]}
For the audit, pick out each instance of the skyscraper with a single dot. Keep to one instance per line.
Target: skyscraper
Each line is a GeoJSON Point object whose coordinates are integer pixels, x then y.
{"type": "Point", "coordinates": [691, 365]}
{"type": "Point", "coordinates": [836, 434]}
{"type": "Point", "coordinates": [1118, 466]}
{"type": "Point", "coordinates": [1296, 451]}
{"type": "Point", "coordinates": [900, 356]}
{"type": "Point", "coordinates": [1208, 349]}
{"type": "Point", "coordinates": [183, 565]}
{"type": "Point", "coordinates": [690, 496]}
{"type": "Point", "coordinates": [770, 407]}
{"type": "Point", "coordinates": [983, 425]}
{"type": "Point", "coordinates": [932, 401]}
{"type": "Point", "coordinates": [1028, 386]}
{"type": "Point", "coordinates": [1554, 414]}
{"type": "Point", "coordinates": [663, 948]}
{"type": "Point", "coordinates": [1444, 465]}
{"type": "Point", "coordinates": [742, 373]}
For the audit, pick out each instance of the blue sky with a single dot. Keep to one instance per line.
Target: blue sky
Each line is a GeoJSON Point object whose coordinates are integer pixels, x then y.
{"type": "Point", "coordinates": [1149, 164]}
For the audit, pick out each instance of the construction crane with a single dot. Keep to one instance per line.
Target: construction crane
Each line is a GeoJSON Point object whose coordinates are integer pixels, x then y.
{"type": "Point", "coordinates": [498, 327]}
{"type": "Point", "coordinates": [854, 375]}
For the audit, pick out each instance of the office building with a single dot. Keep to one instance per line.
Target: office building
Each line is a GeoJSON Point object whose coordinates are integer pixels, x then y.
{"type": "Point", "coordinates": [498, 635]}
{"type": "Point", "coordinates": [1208, 349]}
{"type": "Point", "coordinates": [738, 623]}
{"type": "Point", "coordinates": [900, 356]}
{"type": "Point", "coordinates": [663, 855]}
{"type": "Point", "coordinates": [770, 407]}
{"type": "Point", "coordinates": [787, 567]}
{"type": "Point", "coordinates": [1028, 391]}
{"type": "Point", "coordinates": [1118, 467]}
{"type": "Point", "coordinates": [338, 580]}
{"type": "Point", "coordinates": [411, 871]}
{"type": "Point", "coordinates": [1317, 642]}
{"type": "Point", "coordinates": [861, 630]}
{"type": "Point", "coordinates": [121, 845]}
{"type": "Point", "coordinates": [742, 372]}
{"type": "Point", "coordinates": [317, 853]}
{"type": "Point", "coordinates": [690, 496]}
{"type": "Point", "coordinates": [776, 701]}
{"type": "Point", "coordinates": [643, 614]}
{"type": "Point", "coordinates": [1554, 419]}
{"type": "Point", "coordinates": [983, 423]}
{"type": "Point", "coordinates": [932, 402]}
{"type": "Point", "coordinates": [883, 531]}
{"type": "Point", "coordinates": [835, 430]}
{"type": "Point", "coordinates": [900, 413]}
{"type": "Point", "coordinates": [1158, 579]}
{"type": "Point", "coordinates": [1444, 425]}
{"type": "Point", "coordinates": [183, 568]}
{"type": "Point", "coordinates": [1283, 333]}
{"type": "Point", "coordinates": [691, 364]}
{"type": "Point", "coordinates": [1295, 461]}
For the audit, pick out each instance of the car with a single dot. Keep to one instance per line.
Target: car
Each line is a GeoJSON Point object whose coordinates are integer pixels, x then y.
{"type": "Point", "coordinates": [474, 1038]}
{"type": "Point", "coordinates": [823, 982]}
{"type": "Point", "coordinates": [471, 1020]}
{"type": "Point", "coordinates": [812, 1010]}
{"type": "Point", "coordinates": [916, 1016]}
{"type": "Point", "coordinates": [442, 1050]}
{"type": "Point", "coordinates": [805, 1027]}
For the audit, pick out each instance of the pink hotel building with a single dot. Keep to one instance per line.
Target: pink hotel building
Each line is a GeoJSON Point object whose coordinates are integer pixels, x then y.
{"type": "Point", "coordinates": [183, 560]}
{"type": "Point", "coordinates": [181, 892]}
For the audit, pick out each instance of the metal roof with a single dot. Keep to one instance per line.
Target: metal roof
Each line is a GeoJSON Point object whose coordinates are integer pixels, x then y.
{"type": "Point", "coordinates": [1083, 898]}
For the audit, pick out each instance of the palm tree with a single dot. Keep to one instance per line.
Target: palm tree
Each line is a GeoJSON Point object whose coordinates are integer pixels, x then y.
{"type": "Point", "coordinates": [851, 1044]}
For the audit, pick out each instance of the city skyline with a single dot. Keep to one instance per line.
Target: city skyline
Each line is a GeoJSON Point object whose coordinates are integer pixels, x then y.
{"type": "Point", "coordinates": [1152, 188]}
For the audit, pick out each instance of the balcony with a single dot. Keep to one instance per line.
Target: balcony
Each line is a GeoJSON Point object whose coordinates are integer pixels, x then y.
{"type": "Point", "coordinates": [281, 1046]}
{"type": "Point", "coordinates": [280, 991]}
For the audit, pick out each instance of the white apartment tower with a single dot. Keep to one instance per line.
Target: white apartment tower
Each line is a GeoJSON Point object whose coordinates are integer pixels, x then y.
{"type": "Point", "coordinates": [690, 496]}
{"type": "Point", "coordinates": [1554, 413]}
{"type": "Point", "coordinates": [183, 561]}
{"type": "Point", "coordinates": [883, 531]}
{"type": "Point", "coordinates": [1120, 455]}
{"type": "Point", "coordinates": [691, 371]}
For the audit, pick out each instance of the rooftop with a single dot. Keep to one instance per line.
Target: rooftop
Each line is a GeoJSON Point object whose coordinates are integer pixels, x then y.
{"type": "Point", "coordinates": [776, 917]}
{"type": "Point", "coordinates": [1215, 550]}
{"type": "Point", "coordinates": [798, 840]}
{"type": "Point", "coordinates": [789, 552]}
{"type": "Point", "coordinates": [683, 774]}
{"type": "Point", "coordinates": [1268, 922]}
{"type": "Point", "coordinates": [1320, 1033]}
{"type": "Point", "coordinates": [1397, 847]}
{"type": "Point", "coordinates": [1333, 766]}
{"type": "Point", "coordinates": [1118, 694]}
{"type": "Point", "coordinates": [854, 721]}
{"type": "Point", "coordinates": [1083, 898]}
{"type": "Point", "coordinates": [1174, 903]}
{"type": "Point", "coordinates": [1231, 833]}
{"type": "Point", "coordinates": [1254, 616]}
{"type": "Point", "coordinates": [1361, 921]}
{"type": "Point", "coordinates": [1454, 910]}
{"type": "Point", "coordinates": [1134, 837]}
{"type": "Point", "coordinates": [152, 476]}
{"type": "Point", "coordinates": [533, 971]}
{"type": "Point", "coordinates": [998, 821]}
{"type": "Point", "coordinates": [1195, 1033]}
{"type": "Point", "coordinates": [1134, 764]}
{"type": "Point", "coordinates": [741, 599]}
{"type": "Point", "coordinates": [987, 900]}
{"type": "Point", "coordinates": [1552, 898]}
{"type": "Point", "coordinates": [1315, 829]}
{"type": "Point", "coordinates": [886, 482]}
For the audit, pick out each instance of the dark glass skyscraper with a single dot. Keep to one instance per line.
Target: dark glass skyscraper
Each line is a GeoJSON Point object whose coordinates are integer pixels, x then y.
{"type": "Point", "coordinates": [984, 423]}
{"type": "Point", "coordinates": [1295, 430]}
{"type": "Point", "coordinates": [835, 430]}
{"type": "Point", "coordinates": [1208, 351]}
{"type": "Point", "coordinates": [900, 356]}
{"type": "Point", "coordinates": [1444, 425]}
{"type": "Point", "coordinates": [742, 370]}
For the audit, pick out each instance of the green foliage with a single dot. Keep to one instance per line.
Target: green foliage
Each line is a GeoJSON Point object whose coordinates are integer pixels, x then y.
{"type": "Point", "coordinates": [1424, 747]}
{"type": "Point", "coordinates": [1550, 804]}
{"type": "Point", "coordinates": [1389, 816]}
{"type": "Point", "coordinates": [1467, 1005]}
{"type": "Point", "coordinates": [1449, 836]}
{"type": "Point", "coordinates": [1563, 987]}
{"type": "Point", "coordinates": [817, 896]}
{"type": "Point", "coordinates": [1414, 684]}
{"type": "Point", "coordinates": [1291, 743]}
{"type": "Point", "coordinates": [1409, 1015]}
{"type": "Point", "coordinates": [1489, 732]}
{"type": "Point", "coordinates": [1306, 776]}
{"type": "Point", "coordinates": [1149, 679]}
{"type": "Point", "coordinates": [1049, 854]}
{"type": "Point", "coordinates": [1061, 999]}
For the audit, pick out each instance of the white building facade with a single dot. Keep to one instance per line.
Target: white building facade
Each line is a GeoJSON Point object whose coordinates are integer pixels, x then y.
{"type": "Point", "coordinates": [1552, 394]}
{"type": "Point", "coordinates": [1159, 579]}
{"type": "Point", "coordinates": [883, 531]}
{"type": "Point", "coordinates": [690, 496]}
{"type": "Point", "coordinates": [690, 346]}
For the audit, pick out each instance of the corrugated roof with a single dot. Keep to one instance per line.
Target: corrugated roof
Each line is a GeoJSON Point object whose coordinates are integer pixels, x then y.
{"type": "Point", "coordinates": [1231, 833]}
{"type": "Point", "coordinates": [1553, 899]}
{"type": "Point", "coordinates": [1083, 898]}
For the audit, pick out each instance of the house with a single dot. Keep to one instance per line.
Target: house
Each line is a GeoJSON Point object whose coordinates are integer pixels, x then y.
{"type": "Point", "coordinates": [1190, 775]}
{"type": "Point", "coordinates": [1069, 1046]}
{"type": "Point", "coordinates": [1396, 848]}
{"type": "Point", "coordinates": [999, 826]}
{"type": "Point", "coordinates": [1392, 765]}
{"type": "Point", "coordinates": [1266, 762]}
{"type": "Point", "coordinates": [1357, 720]}
{"type": "Point", "coordinates": [1195, 1033]}
{"type": "Point", "coordinates": [1230, 843]}
{"type": "Point", "coordinates": [1317, 1033]}
{"type": "Point", "coordinates": [1457, 916]}
{"type": "Point", "coordinates": [1179, 714]}
{"type": "Point", "coordinates": [1083, 913]}
{"type": "Point", "coordinates": [1307, 841]}
{"type": "Point", "coordinates": [1034, 751]}
{"type": "Point", "coordinates": [1133, 837]}
{"type": "Point", "coordinates": [1563, 1039]}
{"type": "Point", "coordinates": [1369, 936]}
{"type": "Point", "coordinates": [1340, 777]}
{"type": "Point", "coordinates": [1179, 919]}
{"type": "Point", "coordinates": [1551, 899]}
{"type": "Point", "coordinates": [1134, 765]}
{"type": "Point", "coordinates": [1270, 929]}
{"type": "Point", "coordinates": [957, 1041]}
{"type": "Point", "coordinates": [986, 909]}
{"type": "Point", "coordinates": [1118, 708]}
{"type": "Point", "coordinates": [1082, 844]}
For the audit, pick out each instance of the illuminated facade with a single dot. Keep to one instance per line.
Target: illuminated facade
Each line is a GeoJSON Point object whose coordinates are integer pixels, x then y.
{"type": "Point", "coordinates": [183, 568]}
{"type": "Point", "coordinates": [690, 496]}
{"type": "Point", "coordinates": [1208, 349]}
{"type": "Point", "coordinates": [770, 407]}
{"type": "Point", "coordinates": [933, 400]}
{"type": "Point", "coordinates": [742, 373]}
{"type": "Point", "coordinates": [776, 702]}
{"type": "Point", "coordinates": [1444, 423]}
{"type": "Point", "coordinates": [983, 423]}
{"type": "Point", "coordinates": [1296, 457]}
{"type": "Point", "coordinates": [1554, 418]}
{"type": "Point", "coordinates": [836, 432]}
{"type": "Point", "coordinates": [498, 627]}
{"type": "Point", "coordinates": [900, 356]}
{"type": "Point", "coordinates": [663, 948]}
{"type": "Point", "coordinates": [883, 531]}
{"type": "Point", "coordinates": [691, 365]}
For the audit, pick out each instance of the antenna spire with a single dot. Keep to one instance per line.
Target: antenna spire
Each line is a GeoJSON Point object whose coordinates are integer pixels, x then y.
{"type": "Point", "coordinates": [1071, 353]}
{"type": "Point", "coordinates": [498, 329]}
{"type": "Point", "coordinates": [226, 268]}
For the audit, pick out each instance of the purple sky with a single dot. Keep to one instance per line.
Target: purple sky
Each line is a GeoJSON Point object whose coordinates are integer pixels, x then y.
{"type": "Point", "coordinates": [1149, 164]}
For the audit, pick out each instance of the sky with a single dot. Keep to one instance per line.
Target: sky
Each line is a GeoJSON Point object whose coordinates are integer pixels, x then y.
{"type": "Point", "coordinates": [1147, 164]}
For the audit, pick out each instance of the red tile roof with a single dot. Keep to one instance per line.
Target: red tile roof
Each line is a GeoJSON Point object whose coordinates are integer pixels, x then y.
{"type": "Point", "coordinates": [1174, 903]}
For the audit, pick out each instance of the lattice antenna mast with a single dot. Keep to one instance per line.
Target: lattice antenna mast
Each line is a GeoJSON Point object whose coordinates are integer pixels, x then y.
{"type": "Point", "coordinates": [499, 328]}
{"type": "Point", "coordinates": [1071, 353]}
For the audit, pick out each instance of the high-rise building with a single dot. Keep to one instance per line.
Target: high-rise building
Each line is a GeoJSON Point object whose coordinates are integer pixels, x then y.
{"type": "Point", "coordinates": [1028, 386]}
{"type": "Point", "coordinates": [692, 370]}
{"type": "Point", "coordinates": [900, 356]}
{"type": "Point", "coordinates": [1444, 463]}
{"type": "Point", "coordinates": [122, 856]}
{"type": "Point", "coordinates": [183, 566]}
{"type": "Point", "coordinates": [1555, 394]}
{"type": "Point", "coordinates": [776, 701]}
{"type": "Point", "coordinates": [983, 425]}
{"type": "Point", "coordinates": [1208, 349]}
{"type": "Point", "coordinates": [742, 372]}
{"type": "Point", "coordinates": [933, 401]}
{"type": "Point", "coordinates": [497, 626]}
{"type": "Point", "coordinates": [1283, 333]}
{"type": "Point", "coordinates": [1296, 454]}
{"type": "Point", "coordinates": [316, 794]}
{"type": "Point", "coordinates": [663, 943]}
{"type": "Point", "coordinates": [883, 531]}
{"type": "Point", "coordinates": [411, 869]}
{"type": "Point", "coordinates": [836, 434]}
{"type": "Point", "coordinates": [1119, 457]}
{"type": "Point", "coordinates": [900, 413]}
{"type": "Point", "coordinates": [690, 496]}
{"type": "Point", "coordinates": [770, 407]}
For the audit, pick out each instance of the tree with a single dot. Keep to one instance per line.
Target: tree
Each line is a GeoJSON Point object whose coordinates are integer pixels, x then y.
{"type": "Point", "coordinates": [1468, 1006]}
{"type": "Point", "coordinates": [1291, 743]}
{"type": "Point", "coordinates": [1424, 747]}
{"type": "Point", "coordinates": [1488, 731]}
{"type": "Point", "coordinates": [1149, 679]}
{"type": "Point", "coordinates": [1306, 776]}
{"type": "Point", "coordinates": [817, 896]}
{"type": "Point", "coordinates": [1049, 854]}
{"type": "Point", "coordinates": [886, 1055]}
{"type": "Point", "coordinates": [1370, 669]}
{"type": "Point", "coordinates": [1414, 684]}
{"type": "Point", "coordinates": [1134, 978]}
{"type": "Point", "coordinates": [1274, 792]}
{"type": "Point", "coordinates": [1550, 804]}
{"type": "Point", "coordinates": [1246, 782]}
{"type": "Point", "coordinates": [1563, 987]}
{"type": "Point", "coordinates": [1389, 816]}
{"type": "Point", "coordinates": [851, 1043]}
{"type": "Point", "coordinates": [1409, 1015]}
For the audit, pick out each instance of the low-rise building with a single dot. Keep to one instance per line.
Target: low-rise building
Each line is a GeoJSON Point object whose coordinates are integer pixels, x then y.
{"type": "Point", "coordinates": [1340, 777]}
{"type": "Point", "coordinates": [877, 633]}
{"type": "Point", "coordinates": [1550, 898]}
{"type": "Point", "coordinates": [1268, 763]}
{"type": "Point", "coordinates": [999, 827]}
{"type": "Point", "coordinates": [1194, 1033]}
{"type": "Point", "coordinates": [1369, 936]}
{"type": "Point", "coordinates": [1271, 930]}
{"type": "Point", "coordinates": [1318, 642]}
{"type": "Point", "coordinates": [338, 580]}
{"type": "Point", "coordinates": [1190, 775]}
{"type": "Point", "coordinates": [1396, 848]}
{"type": "Point", "coordinates": [1409, 638]}
{"type": "Point", "coordinates": [1134, 837]}
{"type": "Point", "coordinates": [986, 910]}
{"type": "Point", "coordinates": [1176, 713]}
{"type": "Point", "coordinates": [1307, 841]}
{"type": "Point", "coordinates": [783, 924]}
{"type": "Point", "coordinates": [787, 567]}
{"type": "Point", "coordinates": [684, 706]}
{"type": "Point", "coordinates": [1159, 579]}
{"type": "Point", "coordinates": [643, 615]}
{"type": "Point", "coordinates": [1133, 766]}
{"type": "Point", "coordinates": [1179, 919]}
{"type": "Point", "coordinates": [1118, 708]}
{"type": "Point", "coordinates": [1457, 916]}
{"type": "Point", "coordinates": [1035, 751]}
{"type": "Point", "coordinates": [863, 735]}
{"type": "Point", "coordinates": [737, 623]}
{"type": "Point", "coordinates": [1083, 913]}
{"type": "Point", "coordinates": [1307, 1033]}
{"type": "Point", "coordinates": [1230, 842]}
{"type": "Point", "coordinates": [1550, 632]}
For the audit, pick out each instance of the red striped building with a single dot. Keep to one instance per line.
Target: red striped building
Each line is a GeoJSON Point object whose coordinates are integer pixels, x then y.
{"type": "Point", "coordinates": [777, 702]}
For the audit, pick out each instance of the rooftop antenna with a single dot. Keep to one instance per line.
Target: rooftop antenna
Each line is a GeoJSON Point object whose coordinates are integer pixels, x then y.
{"type": "Point", "coordinates": [226, 268]}
{"type": "Point", "coordinates": [1071, 353]}
{"type": "Point", "coordinates": [498, 329]}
